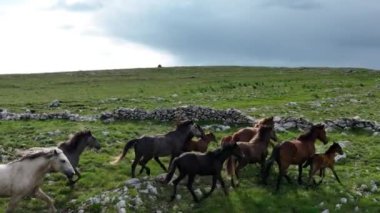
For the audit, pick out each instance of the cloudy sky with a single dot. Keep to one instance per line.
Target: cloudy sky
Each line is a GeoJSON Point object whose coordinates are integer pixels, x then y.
{"type": "Point", "coordinates": [69, 35]}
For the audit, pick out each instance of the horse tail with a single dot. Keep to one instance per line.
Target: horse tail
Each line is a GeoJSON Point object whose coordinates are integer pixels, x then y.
{"type": "Point", "coordinates": [127, 146]}
{"type": "Point", "coordinates": [230, 166]}
{"type": "Point", "coordinates": [274, 157]}
{"type": "Point", "coordinates": [172, 169]}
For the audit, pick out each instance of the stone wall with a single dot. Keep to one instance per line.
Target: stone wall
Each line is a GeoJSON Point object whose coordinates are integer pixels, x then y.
{"type": "Point", "coordinates": [196, 113]}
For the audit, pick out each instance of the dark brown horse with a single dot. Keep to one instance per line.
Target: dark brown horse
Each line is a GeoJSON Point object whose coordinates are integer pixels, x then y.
{"type": "Point", "coordinates": [319, 162]}
{"type": "Point", "coordinates": [172, 143]}
{"type": "Point", "coordinates": [201, 145]}
{"type": "Point", "coordinates": [295, 152]}
{"type": "Point", "coordinates": [195, 163]}
{"type": "Point", "coordinates": [254, 151]}
{"type": "Point", "coordinates": [246, 134]}
{"type": "Point", "coordinates": [74, 147]}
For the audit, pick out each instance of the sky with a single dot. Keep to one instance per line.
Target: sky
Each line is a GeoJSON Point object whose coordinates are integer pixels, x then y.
{"type": "Point", "coordinates": [72, 35]}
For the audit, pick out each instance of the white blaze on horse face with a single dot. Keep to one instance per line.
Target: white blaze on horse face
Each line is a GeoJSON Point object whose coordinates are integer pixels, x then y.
{"type": "Point", "coordinates": [62, 164]}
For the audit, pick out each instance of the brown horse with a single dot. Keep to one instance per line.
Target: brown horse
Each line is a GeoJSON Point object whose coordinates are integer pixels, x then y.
{"type": "Point", "coordinates": [148, 147]}
{"type": "Point", "coordinates": [195, 163]}
{"type": "Point", "coordinates": [254, 151]}
{"type": "Point", "coordinates": [201, 145]}
{"type": "Point", "coordinates": [226, 140]}
{"type": "Point", "coordinates": [246, 134]}
{"type": "Point", "coordinates": [319, 162]}
{"type": "Point", "coordinates": [295, 152]}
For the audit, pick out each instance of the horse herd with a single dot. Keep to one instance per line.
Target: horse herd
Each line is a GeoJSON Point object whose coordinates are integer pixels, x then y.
{"type": "Point", "coordinates": [23, 177]}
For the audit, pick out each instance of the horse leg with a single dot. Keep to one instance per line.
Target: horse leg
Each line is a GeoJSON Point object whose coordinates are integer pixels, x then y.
{"type": "Point", "coordinates": [161, 164]}
{"type": "Point", "coordinates": [189, 185]}
{"type": "Point", "coordinates": [175, 183]}
{"type": "Point", "coordinates": [300, 174]}
{"type": "Point", "coordinates": [262, 171]}
{"type": "Point", "coordinates": [335, 174]}
{"type": "Point", "coordinates": [282, 172]}
{"type": "Point", "coordinates": [322, 173]}
{"type": "Point", "coordinates": [134, 164]}
{"type": "Point", "coordinates": [13, 203]}
{"type": "Point", "coordinates": [222, 183]}
{"type": "Point", "coordinates": [214, 178]}
{"type": "Point", "coordinates": [42, 196]}
{"type": "Point", "coordinates": [242, 164]}
{"type": "Point", "coordinates": [143, 163]}
{"type": "Point", "coordinates": [71, 181]}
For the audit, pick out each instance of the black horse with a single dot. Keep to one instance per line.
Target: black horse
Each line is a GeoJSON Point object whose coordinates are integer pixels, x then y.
{"type": "Point", "coordinates": [172, 143]}
{"type": "Point", "coordinates": [193, 163]}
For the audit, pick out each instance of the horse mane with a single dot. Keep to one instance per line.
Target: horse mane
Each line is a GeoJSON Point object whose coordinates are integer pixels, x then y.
{"type": "Point", "coordinates": [73, 142]}
{"type": "Point", "coordinates": [262, 132]}
{"type": "Point", "coordinates": [309, 133]}
{"type": "Point", "coordinates": [35, 155]}
{"type": "Point", "coordinates": [184, 124]}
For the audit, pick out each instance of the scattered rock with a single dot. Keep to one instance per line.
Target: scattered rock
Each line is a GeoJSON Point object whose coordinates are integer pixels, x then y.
{"type": "Point", "coordinates": [198, 192]}
{"type": "Point", "coordinates": [338, 206]}
{"type": "Point", "coordinates": [55, 103]}
{"type": "Point", "coordinates": [343, 200]}
{"type": "Point", "coordinates": [178, 197]}
{"type": "Point", "coordinates": [292, 104]}
{"type": "Point", "coordinates": [325, 211]}
{"type": "Point", "coordinates": [135, 182]}
{"type": "Point", "coordinates": [340, 157]}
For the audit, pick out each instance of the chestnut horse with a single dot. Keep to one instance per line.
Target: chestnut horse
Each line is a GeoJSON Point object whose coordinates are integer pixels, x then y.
{"type": "Point", "coordinates": [295, 152]}
{"type": "Point", "coordinates": [246, 134]}
{"type": "Point", "coordinates": [319, 162]}
{"type": "Point", "coordinates": [254, 151]}
{"type": "Point", "coordinates": [201, 145]}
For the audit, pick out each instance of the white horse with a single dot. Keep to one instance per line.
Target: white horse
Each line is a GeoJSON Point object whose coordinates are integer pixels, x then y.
{"type": "Point", "coordinates": [24, 177]}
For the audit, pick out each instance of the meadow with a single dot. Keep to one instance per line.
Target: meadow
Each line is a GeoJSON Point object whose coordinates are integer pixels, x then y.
{"type": "Point", "coordinates": [314, 93]}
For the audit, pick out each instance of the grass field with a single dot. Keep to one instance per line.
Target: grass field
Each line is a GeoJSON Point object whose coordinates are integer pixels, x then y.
{"type": "Point", "coordinates": [320, 93]}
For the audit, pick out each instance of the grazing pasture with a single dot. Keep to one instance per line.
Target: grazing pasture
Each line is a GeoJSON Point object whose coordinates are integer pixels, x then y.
{"type": "Point", "coordinates": [313, 93]}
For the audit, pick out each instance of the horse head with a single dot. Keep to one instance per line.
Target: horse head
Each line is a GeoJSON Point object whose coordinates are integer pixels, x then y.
{"type": "Point", "coordinates": [92, 141]}
{"type": "Point", "coordinates": [60, 163]}
{"type": "Point", "coordinates": [337, 148]}
{"type": "Point", "coordinates": [321, 132]}
{"type": "Point", "coordinates": [197, 131]}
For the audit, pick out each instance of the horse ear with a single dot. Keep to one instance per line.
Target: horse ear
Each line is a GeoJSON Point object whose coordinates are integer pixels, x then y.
{"type": "Point", "coordinates": [55, 152]}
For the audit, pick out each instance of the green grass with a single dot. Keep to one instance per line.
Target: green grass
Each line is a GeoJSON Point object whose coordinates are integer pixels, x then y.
{"type": "Point", "coordinates": [268, 90]}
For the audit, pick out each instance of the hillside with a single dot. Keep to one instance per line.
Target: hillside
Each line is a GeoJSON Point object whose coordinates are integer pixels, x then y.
{"type": "Point", "coordinates": [316, 94]}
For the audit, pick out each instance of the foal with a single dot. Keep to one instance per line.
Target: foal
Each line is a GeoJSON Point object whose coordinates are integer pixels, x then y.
{"type": "Point", "coordinates": [193, 163]}
{"type": "Point", "coordinates": [201, 145]}
{"type": "Point", "coordinates": [319, 162]}
{"type": "Point", "coordinates": [254, 151]}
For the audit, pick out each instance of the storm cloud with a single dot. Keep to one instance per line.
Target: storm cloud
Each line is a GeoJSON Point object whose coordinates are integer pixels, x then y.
{"type": "Point", "coordinates": [246, 32]}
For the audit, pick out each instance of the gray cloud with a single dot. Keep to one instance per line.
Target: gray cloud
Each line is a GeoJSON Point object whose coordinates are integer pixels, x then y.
{"type": "Point", "coordinates": [245, 32]}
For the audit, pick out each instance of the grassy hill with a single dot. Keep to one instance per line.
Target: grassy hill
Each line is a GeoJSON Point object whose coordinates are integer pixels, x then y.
{"type": "Point", "coordinates": [319, 93]}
